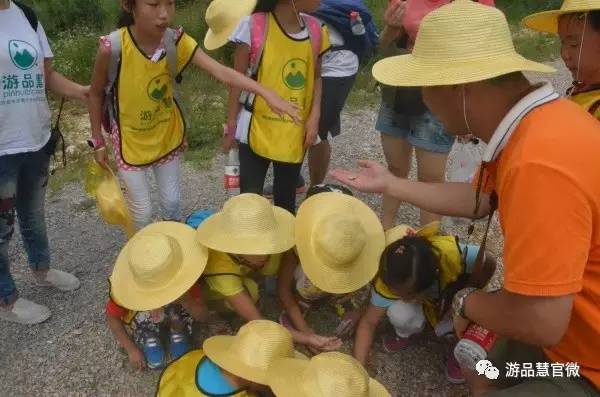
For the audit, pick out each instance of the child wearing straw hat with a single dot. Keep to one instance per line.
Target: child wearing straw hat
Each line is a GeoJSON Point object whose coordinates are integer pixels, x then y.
{"type": "Point", "coordinates": [338, 243]}
{"type": "Point", "coordinates": [541, 170]}
{"type": "Point", "coordinates": [325, 375]}
{"type": "Point", "coordinates": [247, 241]}
{"type": "Point", "coordinates": [578, 25]}
{"type": "Point", "coordinates": [418, 271]}
{"type": "Point", "coordinates": [153, 286]}
{"type": "Point", "coordinates": [230, 365]}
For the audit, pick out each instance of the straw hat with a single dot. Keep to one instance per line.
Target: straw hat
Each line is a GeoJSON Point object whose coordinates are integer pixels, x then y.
{"type": "Point", "coordinates": [339, 241]}
{"type": "Point", "coordinates": [547, 21]}
{"type": "Point", "coordinates": [248, 225]}
{"type": "Point", "coordinates": [325, 375]}
{"type": "Point", "coordinates": [222, 17]}
{"type": "Point", "coordinates": [111, 203]}
{"type": "Point", "coordinates": [462, 42]}
{"type": "Point", "coordinates": [158, 265]}
{"type": "Point", "coordinates": [250, 352]}
{"type": "Point", "coordinates": [401, 231]}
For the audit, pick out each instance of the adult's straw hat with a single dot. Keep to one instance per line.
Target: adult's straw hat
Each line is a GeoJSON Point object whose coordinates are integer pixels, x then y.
{"type": "Point", "coordinates": [325, 375]}
{"type": "Point", "coordinates": [339, 241]}
{"type": "Point", "coordinates": [251, 352]}
{"type": "Point", "coordinates": [462, 42]}
{"type": "Point", "coordinates": [157, 266]}
{"type": "Point", "coordinates": [248, 224]}
{"type": "Point", "coordinates": [222, 17]}
{"type": "Point", "coordinates": [547, 21]}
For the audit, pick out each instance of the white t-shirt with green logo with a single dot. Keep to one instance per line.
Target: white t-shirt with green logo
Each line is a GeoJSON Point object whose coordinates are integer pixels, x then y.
{"type": "Point", "coordinates": [24, 112]}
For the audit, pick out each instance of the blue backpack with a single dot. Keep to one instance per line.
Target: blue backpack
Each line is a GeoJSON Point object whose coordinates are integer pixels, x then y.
{"type": "Point", "coordinates": [337, 14]}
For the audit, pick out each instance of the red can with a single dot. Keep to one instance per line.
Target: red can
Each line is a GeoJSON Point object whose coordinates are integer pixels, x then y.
{"type": "Point", "coordinates": [474, 346]}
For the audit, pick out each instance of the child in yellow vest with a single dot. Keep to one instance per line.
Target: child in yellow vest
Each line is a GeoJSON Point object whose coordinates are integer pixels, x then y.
{"type": "Point", "coordinates": [416, 271]}
{"type": "Point", "coordinates": [247, 240]}
{"type": "Point", "coordinates": [280, 47]}
{"type": "Point", "coordinates": [135, 81]}
{"type": "Point", "coordinates": [339, 240]}
{"type": "Point", "coordinates": [152, 287]}
{"type": "Point", "coordinates": [578, 26]}
{"type": "Point", "coordinates": [230, 365]}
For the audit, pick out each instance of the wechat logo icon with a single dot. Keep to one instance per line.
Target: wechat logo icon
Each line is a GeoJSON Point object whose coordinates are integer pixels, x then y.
{"type": "Point", "coordinates": [485, 367]}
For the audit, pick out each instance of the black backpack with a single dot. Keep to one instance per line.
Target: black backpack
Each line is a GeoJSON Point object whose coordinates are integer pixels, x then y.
{"type": "Point", "coordinates": [29, 14]}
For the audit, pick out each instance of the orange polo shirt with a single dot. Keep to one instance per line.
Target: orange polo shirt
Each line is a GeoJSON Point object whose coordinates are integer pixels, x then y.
{"type": "Point", "coordinates": [548, 182]}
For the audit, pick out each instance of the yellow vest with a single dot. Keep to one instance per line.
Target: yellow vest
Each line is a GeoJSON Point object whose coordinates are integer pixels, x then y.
{"type": "Point", "coordinates": [149, 118]}
{"type": "Point", "coordinates": [587, 100]}
{"type": "Point", "coordinates": [288, 67]}
{"type": "Point", "coordinates": [178, 379]}
{"type": "Point", "coordinates": [451, 266]}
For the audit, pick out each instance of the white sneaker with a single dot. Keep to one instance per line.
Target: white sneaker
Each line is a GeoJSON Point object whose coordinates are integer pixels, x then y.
{"type": "Point", "coordinates": [25, 312]}
{"type": "Point", "coordinates": [58, 279]}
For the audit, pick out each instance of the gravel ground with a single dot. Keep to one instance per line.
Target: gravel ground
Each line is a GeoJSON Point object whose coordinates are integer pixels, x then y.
{"type": "Point", "coordinates": [73, 353]}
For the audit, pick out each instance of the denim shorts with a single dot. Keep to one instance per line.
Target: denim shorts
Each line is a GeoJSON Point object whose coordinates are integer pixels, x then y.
{"type": "Point", "coordinates": [424, 132]}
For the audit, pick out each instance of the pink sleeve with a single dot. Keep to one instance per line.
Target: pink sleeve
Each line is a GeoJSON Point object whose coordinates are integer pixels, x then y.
{"type": "Point", "coordinates": [488, 2]}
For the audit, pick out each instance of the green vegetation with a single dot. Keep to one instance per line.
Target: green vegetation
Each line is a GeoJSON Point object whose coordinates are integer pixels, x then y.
{"type": "Point", "coordinates": [74, 26]}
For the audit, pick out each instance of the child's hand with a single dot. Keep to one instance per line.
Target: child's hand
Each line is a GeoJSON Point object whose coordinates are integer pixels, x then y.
{"type": "Point", "coordinates": [311, 130]}
{"type": "Point", "coordinates": [227, 143]}
{"type": "Point", "coordinates": [101, 157]}
{"type": "Point", "coordinates": [136, 358]}
{"type": "Point", "coordinates": [319, 343]}
{"type": "Point", "coordinates": [394, 13]}
{"type": "Point", "coordinates": [282, 107]}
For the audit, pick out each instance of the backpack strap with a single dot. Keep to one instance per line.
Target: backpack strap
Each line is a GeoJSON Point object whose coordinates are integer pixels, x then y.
{"type": "Point", "coordinates": [29, 14]}
{"type": "Point", "coordinates": [115, 57]}
{"type": "Point", "coordinates": [314, 33]}
{"type": "Point", "coordinates": [170, 38]}
{"type": "Point", "coordinates": [258, 36]}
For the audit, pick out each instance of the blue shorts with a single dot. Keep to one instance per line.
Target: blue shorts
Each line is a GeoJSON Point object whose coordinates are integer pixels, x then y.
{"type": "Point", "coordinates": [424, 132]}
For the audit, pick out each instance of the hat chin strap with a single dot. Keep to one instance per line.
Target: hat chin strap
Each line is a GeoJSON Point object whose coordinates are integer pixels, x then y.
{"type": "Point", "coordinates": [577, 81]}
{"type": "Point", "coordinates": [464, 100]}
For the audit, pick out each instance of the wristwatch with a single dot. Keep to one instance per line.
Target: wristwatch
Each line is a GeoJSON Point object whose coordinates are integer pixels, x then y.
{"type": "Point", "coordinates": [95, 143]}
{"type": "Point", "coordinates": [458, 303]}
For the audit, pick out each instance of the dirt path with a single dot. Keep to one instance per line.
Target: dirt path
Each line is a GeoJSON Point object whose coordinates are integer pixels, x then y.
{"type": "Point", "coordinates": [73, 353]}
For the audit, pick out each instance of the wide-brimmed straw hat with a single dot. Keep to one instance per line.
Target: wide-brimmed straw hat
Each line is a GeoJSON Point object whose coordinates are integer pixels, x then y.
{"type": "Point", "coordinates": [222, 17]}
{"type": "Point", "coordinates": [325, 375]}
{"type": "Point", "coordinates": [339, 241]}
{"type": "Point", "coordinates": [250, 353]}
{"type": "Point", "coordinates": [157, 266]}
{"type": "Point", "coordinates": [248, 224]}
{"type": "Point", "coordinates": [547, 21]}
{"type": "Point", "coordinates": [462, 42]}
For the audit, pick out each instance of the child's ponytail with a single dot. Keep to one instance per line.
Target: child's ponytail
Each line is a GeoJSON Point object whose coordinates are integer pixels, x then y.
{"type": "Point", "coordinates": [126, 16]}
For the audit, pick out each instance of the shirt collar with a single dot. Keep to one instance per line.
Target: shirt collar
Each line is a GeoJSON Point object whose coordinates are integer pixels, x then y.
{"type": "Point", "coordinates": [510, 122]}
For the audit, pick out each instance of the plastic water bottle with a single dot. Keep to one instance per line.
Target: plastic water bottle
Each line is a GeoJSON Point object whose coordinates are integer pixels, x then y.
{"type": "Point", "coordinates": [231, 179]}
{"type": "Point", "coordinates": [474, 346]}
{"type": "Point", "coordinates": [356, 24]}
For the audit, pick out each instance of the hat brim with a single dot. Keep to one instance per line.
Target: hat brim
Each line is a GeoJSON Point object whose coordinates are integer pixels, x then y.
{"type": "Point", "coordinates": [132, 296]}
{"type": "Point", "coordinates": [365, 266]}
{"type": "Point", "coordinates": [211, 234]}
{"type": "Point", "coordinates": [285, 380]}
{"type": "Point", "coordinates": [396, 233]}
{"type": "Point", "coordinates": [213, 40]}
{"type": "Point", "coordinates": [547, 21]}
{"type": "Point", "coordinates": [217, 349]}
{"type": "Point", "coordinates": [410, 71]}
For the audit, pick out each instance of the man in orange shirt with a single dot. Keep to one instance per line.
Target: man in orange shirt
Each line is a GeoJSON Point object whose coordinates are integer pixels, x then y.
{"type": "Point", "coordinates": [542, 162]}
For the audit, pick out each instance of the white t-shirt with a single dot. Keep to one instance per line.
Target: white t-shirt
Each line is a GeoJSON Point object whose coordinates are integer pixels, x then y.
{"type": "Point", "coordinates": [24, 112]}
{"type": "Point", "coordinates": [338, 63]}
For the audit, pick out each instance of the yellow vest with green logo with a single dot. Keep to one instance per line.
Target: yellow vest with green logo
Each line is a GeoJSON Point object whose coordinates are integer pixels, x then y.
{"type": "Point", "coordinates": [451, 267]}
{"type": "Point", "coordinates": [149, 118]}
{"type": "Point", "coordinates": [590, 101]}
{"type": "Point", "coordinates": [179, 379]}
{"type": "Point", "coordinates": [288, 67]}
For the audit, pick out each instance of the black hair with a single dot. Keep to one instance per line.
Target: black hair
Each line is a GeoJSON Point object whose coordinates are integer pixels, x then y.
{"type": "Point", "coordinates": [328, 187]}
{"type": "Point", "coordinates": [126, 17]}
{"type": "Point", "coordinates": [265, 5]}
{"type": "Point", "coordinates": [411, 263]}
{"type": "Point", "coordinates": [594, 17]}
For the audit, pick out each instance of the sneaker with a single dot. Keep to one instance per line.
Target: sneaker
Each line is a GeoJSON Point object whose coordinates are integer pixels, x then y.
{"type": "Point", "coordinates": [300, 188]}
{"type": "Point", "coordinates": [25, 312]}
{"type": "Point", "coordinates": [453, 372]}
{"type": "Point", "coordinates": [153, 352]}
{"type": "Point", "coordinates": [178, 345]}
{"type": "Point", "coordinates": [393, 343]}
{"type": "Point", "coordinates": [58, 279]}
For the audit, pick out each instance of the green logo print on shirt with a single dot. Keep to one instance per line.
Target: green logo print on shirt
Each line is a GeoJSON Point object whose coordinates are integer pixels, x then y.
{"type": "Point", "coordinates": [294, 74]}
{"type": "Point", "coordinates": [23, 55]}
